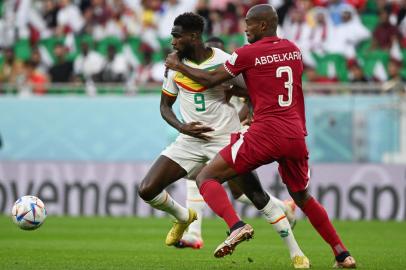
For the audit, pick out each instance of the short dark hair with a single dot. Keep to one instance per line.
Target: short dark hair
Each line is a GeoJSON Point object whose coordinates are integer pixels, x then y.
{"type": "Point", "coordinates": [215, 39]}
{"type": "Point", "coordinates": [190, 22]}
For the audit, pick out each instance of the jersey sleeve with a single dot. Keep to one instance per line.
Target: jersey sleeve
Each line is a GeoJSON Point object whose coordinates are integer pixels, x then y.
{"type": "Point", "coordinates": [238, 62]}
{"type": "Point", "coordinates": [169, 86]}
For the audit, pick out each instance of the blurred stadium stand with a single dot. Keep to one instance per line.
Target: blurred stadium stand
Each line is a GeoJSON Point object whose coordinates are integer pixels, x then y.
{"type": "Point", "coordinates": [354, 54]}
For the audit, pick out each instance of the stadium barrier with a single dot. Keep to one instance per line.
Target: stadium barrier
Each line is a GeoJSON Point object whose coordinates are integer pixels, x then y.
{"type": "Point", "coordinates": [342, 128]}
{"type": "Point", "coordinates": [348, 191]}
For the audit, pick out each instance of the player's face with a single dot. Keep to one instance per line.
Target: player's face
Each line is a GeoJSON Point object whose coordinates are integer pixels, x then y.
{"type": "Point", "coordinates": [252, 29]}
{"type": "Point", "coordinates": [181, 41]}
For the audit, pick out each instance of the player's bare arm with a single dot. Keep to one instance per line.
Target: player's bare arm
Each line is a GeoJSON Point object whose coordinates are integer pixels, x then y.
{"type": "Point", "coordinates": [194, 129]}
{"type": "Point", "coordinates": [206, 78]}
{"type": "Point", "coordinates": [237, 91]}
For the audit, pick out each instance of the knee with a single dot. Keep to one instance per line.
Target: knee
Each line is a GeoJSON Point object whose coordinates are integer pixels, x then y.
{"type": "Point", "coordinates": [201, 178]}
{"type": "Point", "coordinates": [300, 197]}
{"type": "Point", "coordinates": [146, 190]}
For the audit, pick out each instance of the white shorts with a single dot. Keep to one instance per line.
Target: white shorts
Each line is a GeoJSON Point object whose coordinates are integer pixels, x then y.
{"type": "Point", "coordinates": [192, 154]}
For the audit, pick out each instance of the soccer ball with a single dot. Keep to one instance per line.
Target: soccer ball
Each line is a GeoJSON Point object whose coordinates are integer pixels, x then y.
{"type": "Point", "coordinates": [28, 213]}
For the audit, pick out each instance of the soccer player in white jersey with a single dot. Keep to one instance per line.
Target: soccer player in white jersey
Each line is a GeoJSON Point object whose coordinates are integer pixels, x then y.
{"type": "Point", "coordinates": [208, 121]}
{"type": "Point", "coordinates": [192, 238]}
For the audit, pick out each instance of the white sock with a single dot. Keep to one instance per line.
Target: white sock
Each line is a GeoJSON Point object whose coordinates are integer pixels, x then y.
{"type": "Point", "coordinates": [163, 201]}
{"type": "Point", "coordinates": [244, 199]}
{"type": "Point", "coordinates": [195, 201]}
{"type": "Point", "coordinates": [278, 202]}
{"type": "Point", "coordinates": [274, 215]}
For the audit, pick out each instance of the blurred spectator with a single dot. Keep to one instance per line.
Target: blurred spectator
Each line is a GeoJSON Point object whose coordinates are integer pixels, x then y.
{"type": "Point", "coordinates": [395, 82]}
{"type": "Point", "coordinates": [282, 8]}
{"type": "Point", "coordinates": [61, 71]}
{"type": "Point", "coordinates": [394, 68]}
{"type": "Point", "coordinates": [12, 68]}
{"type": "Point", "coordinates": [402, 22]}
{"type": "Point", "coordinates": [385, 33]}
{"type": "Point", "coordinates": [297, 29]}
{"type": "Point", "coordinates": [215, 42]}
{"type": "Point", "coordinates": [123, 23]}
{"type": "Point", "coordinates": [41, 58]}
{"type": "Point", "coordinates": [231, 20]}
{"type": "Point", "coordinates": [217, 22]}
{"type": "Point", "coordinates": [219, 4]}
{"type": "Point", "coordinates": [202, 8]}
{"type": "Point", "coordinates": [158, 68]}
{"type": "Point", "coordinates": [69, 18]}
{"type": "Point", "coordinates": [89, 64]}
{"type": "Point", "coordinates": [356, 74]}
{"type": "Point", "coordinates": [50, 14]}
{"type": "Point", "coordinates": [311, 75]}
{"type": "Point", "coordinates": [170, 9]}
{"type": "Point", "coordinates": [7, 24]}
{"type": "Point", "coordinates": [145, 72]}
{"type": "Point", "coordinates": [116, 68]}
{"type": "Point", "coordinates": [321, 31]}
{"type": "Point", "coordinates": [149, 23]}
{"type": "Point", "coordinates": [348, 34]}
{"type": "Point", "coordinates": [358, 4]}
{"type": "Point", "coordinates": [35, 79]}
{"type": "Point", "coordinates": [334, 8]}
{"type": "Point", "coordinates": [97, 18]}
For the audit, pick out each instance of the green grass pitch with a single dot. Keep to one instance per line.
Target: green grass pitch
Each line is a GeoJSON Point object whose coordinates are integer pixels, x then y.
{"type": "Point", "coordinates": [138, 243]}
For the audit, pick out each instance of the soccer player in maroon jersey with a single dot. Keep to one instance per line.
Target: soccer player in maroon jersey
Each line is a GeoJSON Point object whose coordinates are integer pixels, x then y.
{"type": "Point", "coordinates": [272, 69]}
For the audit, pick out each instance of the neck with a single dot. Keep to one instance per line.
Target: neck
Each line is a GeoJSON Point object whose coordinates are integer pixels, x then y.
{"type": "Point", "coordinates": [270, 34]}
{"type": "Point", "coordinates": [200, 54]}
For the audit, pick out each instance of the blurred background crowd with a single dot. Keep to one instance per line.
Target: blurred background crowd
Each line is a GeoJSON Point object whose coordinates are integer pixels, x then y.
{"type": "Point", "coordinates": [71, 42]}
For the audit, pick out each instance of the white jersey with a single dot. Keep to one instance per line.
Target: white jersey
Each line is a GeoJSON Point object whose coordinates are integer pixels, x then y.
{"type": "Point", "coordinates": [207, 105]}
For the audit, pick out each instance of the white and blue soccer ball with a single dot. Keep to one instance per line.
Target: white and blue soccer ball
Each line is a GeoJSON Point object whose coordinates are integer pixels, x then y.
{"type": "Point", "coordinates": [29, 212]}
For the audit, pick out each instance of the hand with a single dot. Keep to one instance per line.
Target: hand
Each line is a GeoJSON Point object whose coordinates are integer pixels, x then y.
{"type": "Point", "coordinates": [226, 87]}
{"type": "Point", "coordinates": [247, 121]}
{"type": "Point", "coordinates": [196, 129]}
{"type": "Point", "coordinates": [172, 61]}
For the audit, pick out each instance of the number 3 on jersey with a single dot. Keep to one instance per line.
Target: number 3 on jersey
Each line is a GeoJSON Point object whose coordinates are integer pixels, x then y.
{"type": "Point", "coordinates": [288, 85]}
{"type": "Point", "coordinates": [199, 101]}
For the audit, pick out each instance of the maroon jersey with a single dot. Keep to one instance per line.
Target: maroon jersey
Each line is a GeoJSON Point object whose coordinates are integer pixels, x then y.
{"type": "Point", "coordinates": [272, 69]}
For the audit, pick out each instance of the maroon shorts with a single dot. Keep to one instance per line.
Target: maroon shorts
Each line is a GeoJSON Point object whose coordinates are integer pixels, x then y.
{"type": "Point", "coordinates": [247, 152]}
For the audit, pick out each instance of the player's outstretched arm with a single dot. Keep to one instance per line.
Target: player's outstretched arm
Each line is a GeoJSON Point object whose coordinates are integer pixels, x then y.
{"type": "Point", "coordinates": [167, 112]}
{"type": "Point", "coordinates": [206, 78]}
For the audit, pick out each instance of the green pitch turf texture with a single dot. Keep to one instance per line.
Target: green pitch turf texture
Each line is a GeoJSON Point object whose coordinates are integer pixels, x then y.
{"type": "Point", "coordinates": [137, 243]}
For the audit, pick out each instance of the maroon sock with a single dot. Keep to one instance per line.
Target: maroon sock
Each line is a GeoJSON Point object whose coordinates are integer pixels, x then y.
{"type": "Point", "coordinates": [216, 197]}
{"type": "Point", "coordinates": [319, 219]}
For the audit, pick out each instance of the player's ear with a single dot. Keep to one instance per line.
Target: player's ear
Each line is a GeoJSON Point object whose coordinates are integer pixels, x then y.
{"type": "Point", "coordinates": [264, 25]}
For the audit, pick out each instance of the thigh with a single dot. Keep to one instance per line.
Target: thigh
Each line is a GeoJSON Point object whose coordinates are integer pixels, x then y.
{"type": "Point", "coordinates": [294, 167]}
{"type": "Point", "coordinates": [217, 169]}
{"type": "Point", "coordinates": [214, 146]}
{"type": "Point", "coordinates": [245, 153]}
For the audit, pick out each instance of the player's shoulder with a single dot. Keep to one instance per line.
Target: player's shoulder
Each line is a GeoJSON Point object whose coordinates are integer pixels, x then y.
{"type": "Point", "coordinates": [220, 55]}
{"type": "Point", "coordinates": [219, 52]}
{"type": "Point", "coordinates": [169, 74]}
